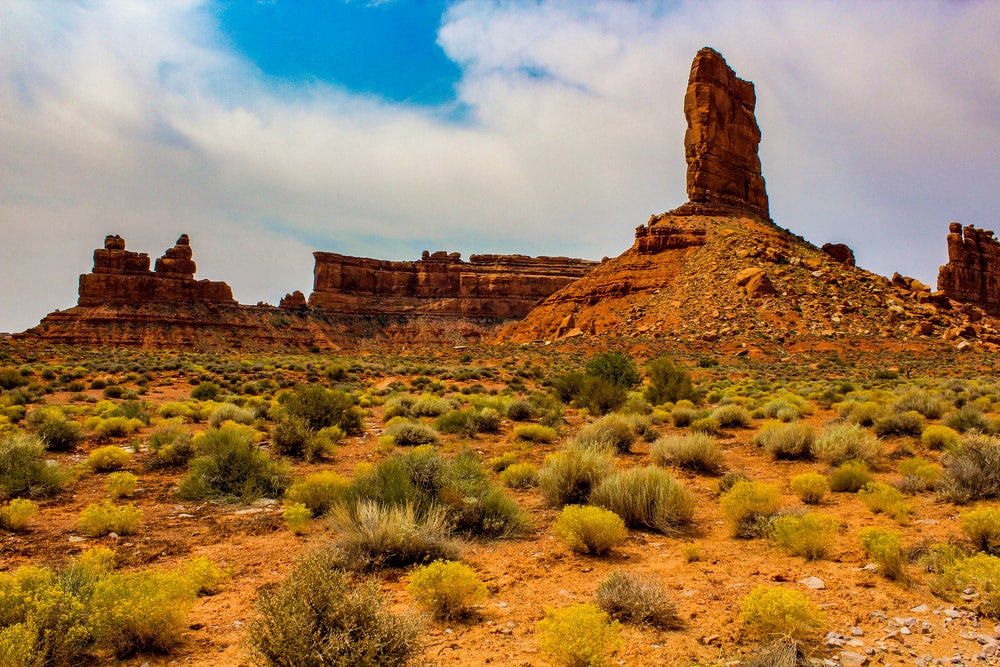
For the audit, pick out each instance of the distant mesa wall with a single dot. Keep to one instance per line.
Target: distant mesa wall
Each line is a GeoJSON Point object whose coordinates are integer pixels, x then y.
{"type": "Point", "coordinates": [505, 286]}
{"type": "Point", "coordinates": [972, 274]}
{"type": "Point", "coordinates": [122, 277]}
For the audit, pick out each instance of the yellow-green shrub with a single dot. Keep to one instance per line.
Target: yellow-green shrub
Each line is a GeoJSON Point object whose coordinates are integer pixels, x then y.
{"type": "Point", "coordinates": [297, 517]}
{"type": "Point", "coordinates": [17, 514]}
{"type": "Point", "coordinates": [99, 519]}
{"type": "Point", "coordinates": [982, 527]}
{"type": "Point", "coordinates": [980, 572]}
{"type": "Point", "coordinates": [748, 505]}
{"type": "Point", "coordinates": [850, 477]}
{"type": "Point", "coordinates": [319, 492]}
{"type": "Point", "coordinates": [140, 611]}
{"type": "Point", "coordinates": [883, 547]}
{"type": "Point", "coordinates": [771, 612]}
{"type": "Point", "coordinates": [40, 623]}
{"type": "Point", "coordinates": [919, 474]}
{"type": "Point", "coordinates": [786, 440]}
{"type": "Point", "coordinates": [113, 427]}
{"type": "Point", "coordinates": [882, 498]}
{"type": "Point", "coordinates": [500, 463]}
{"type": "Point", "coordinates": [121, 484]}
{"type": "Point", "coordinates": [535, 433]}
{"type": "Point", "coordinates": [447, 588]}
{"type": "Point", "coordinates": [846, 442]}
{"type": "Point", "coordinates": [519, 476]}
{"type": "Point", "coordinates": [938, 436]}
{"type": "Point", "coordinates": [172, 409]}
{"type": "Point", "coordinates": [810, 487]}
{"type": "Point", "coordinates": [810, 535]}
{"type": "Point", "coordinates": [108, 458]}
{"type": "Point", "coordinates": [204, 576]}
{"type": "Point", "coordinates": [587, 529]}
{"type": "Point", "coordinates": [579, 635]}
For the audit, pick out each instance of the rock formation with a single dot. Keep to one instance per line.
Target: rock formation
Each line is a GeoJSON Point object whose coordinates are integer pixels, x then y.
{"type": "Point", "coordinates": [502, 286]}
{"type": "Point", "coordinates": [723, 169]}
{"type": "Point", "coordinates": [972, 274]}
{"type": "Point", "coordinates": [840, 252]}
{"type": "Point", "coordinates": [122, 277]}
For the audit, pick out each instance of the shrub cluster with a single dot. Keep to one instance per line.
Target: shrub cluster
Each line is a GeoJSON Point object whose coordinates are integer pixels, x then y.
{"type": "Point", "coordinates": [981, 573]}
{"type": "Point", "coordinates": [448, 589]}
{"type": "Point", "coordinates": [883, 547]}
{"type": "Point", "coordinates": [229, 465]}
{"type": "Point", "coordinates": [57, 433]}
{"type": "Point", "coordinates": [982, 527]}
{"type": "Point", "coordinates": [568, 476]}
{"type": "Point", "coordinates": [771, 612]}
{"type": "Point", "coordinates": [882, 498]}
{"type": "Point", "coordinates": [668, 383]}
{"type": "Point", "coordinates": [613, 433]}
{"type": "Point", "coordinates": [639, 599]}
{"type": "Point", "coordinates": [99, 519]}
{"type": "Point", "coordinates": [972, 469]}
{"type": "Point", "coordinates": [588, 529]}
{"type": "Point", "coordinates": [749, 506]}
{"type": "Point", "coordinates": [23, 469]}
{"type": "Point", "coordinates": [792, 440]}
{"type": "Point", "coordinates": [319, 616]}
{"type": "Point", "coordinates": [810, 535]}
{"type": "Point", "coordinates": [372, 536]}
{"type": "Point", "coordinates": [846, 442]}
{"type": "Point", "coordinates": [810, 487]}
{"type": "Point", "coordinates": [581, 634]}
{"type": "Point", "coordinates": [646, 498]}
{"type": "Point", "coordinates": [699, 452]}
{"type": "Point", "coordinates": [850, 477]}
{"type": "Point", "coordinates": [108, 458]}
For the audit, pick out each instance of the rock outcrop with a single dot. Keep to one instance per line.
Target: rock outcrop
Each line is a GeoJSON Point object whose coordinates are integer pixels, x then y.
{"type": "Point", "coordinates": [723, 168]}
{"type": "Point", "coordinates": [840, 252]}
{"type": "Point", "coordinates": [717, 276]}
{"type": "Point", "coordinates": [122, 277]}
{"type": "Point", "coordinates": [500, 286]}
{"type": "Point", "coordinates": [972, 274]}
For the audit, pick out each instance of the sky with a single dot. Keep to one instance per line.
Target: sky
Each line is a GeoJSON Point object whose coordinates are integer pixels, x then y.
{"type": "Point", "coordinates": [270, 129]}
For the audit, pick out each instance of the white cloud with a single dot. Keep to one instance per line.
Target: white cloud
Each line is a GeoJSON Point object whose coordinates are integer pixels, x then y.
{"type": "Point", "coordinates": [123, 117]}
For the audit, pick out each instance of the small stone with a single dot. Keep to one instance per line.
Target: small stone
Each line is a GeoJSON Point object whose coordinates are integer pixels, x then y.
{"type": "Point", "coordinates": [74, 539]}
{"type": "Point", "coordinates": [920, 609]}
{"type": "Point", "coordinates": [813, 582]}
{"type": "Point", "coordinates": [852, 659]}
{"type": "Point", "coordinates": [857, 632]}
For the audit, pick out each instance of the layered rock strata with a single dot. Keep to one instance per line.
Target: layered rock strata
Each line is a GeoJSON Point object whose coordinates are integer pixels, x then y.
{"type": "Point", "coordinates": [720, 145]}
{"type": "Point", "coordinates": [501, 286]}
{"type": "Point", "coordinates": [122, 277]}
{"type": "Point", "coordinates": [972, 274]}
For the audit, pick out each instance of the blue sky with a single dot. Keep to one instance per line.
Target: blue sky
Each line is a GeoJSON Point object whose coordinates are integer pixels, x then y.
{"type": "Point", "coordinates": [269, 130]}
{"type": "Point", "coordinates": [385, 49]}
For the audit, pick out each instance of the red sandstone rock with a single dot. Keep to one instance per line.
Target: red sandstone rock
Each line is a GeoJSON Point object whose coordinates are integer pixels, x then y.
{"type": "Point", "coordinates": [441, 283]}
{"type": "Point", "coordinates": [840, 252]}
{"type": "Point", "coordinates": [972, 274]}
{"type": "Point", "coordinates": [720, 145]}
{"type": "Point", "coordinates": [294, 300]}
{"type": "Point", "coordinates": [123, 277]}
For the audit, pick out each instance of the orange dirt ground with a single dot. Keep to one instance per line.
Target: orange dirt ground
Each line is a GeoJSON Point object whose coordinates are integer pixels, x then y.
{"type": "Point", "coordinates": [526, 575]}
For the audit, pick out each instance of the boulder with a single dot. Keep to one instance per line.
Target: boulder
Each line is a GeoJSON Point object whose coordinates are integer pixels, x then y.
{"type": "Point", "coordinates": [839, 252]}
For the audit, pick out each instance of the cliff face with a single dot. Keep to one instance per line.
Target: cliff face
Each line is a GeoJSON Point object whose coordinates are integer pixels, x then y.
{"type": "Point", "coordinates": [720, 145]}
{"type": "Point", "coordinates": [972, 274]}
{"type": "Point", "coordinates": [501, 286]}
{"type": "Point", "coordinates": [357, 303]}
{"type": "Point", "coordinates": [123, 277]}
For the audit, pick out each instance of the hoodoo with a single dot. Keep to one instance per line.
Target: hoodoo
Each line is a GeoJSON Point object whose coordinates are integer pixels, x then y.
{"type": "Point", "coordinates": [972, 274]}
{"type": "Point", "coordinates": [720, 145]}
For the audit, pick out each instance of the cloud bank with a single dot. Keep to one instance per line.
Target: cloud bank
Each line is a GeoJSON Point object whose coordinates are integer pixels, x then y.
{"type": "Point", "coordinates": [879, 127]}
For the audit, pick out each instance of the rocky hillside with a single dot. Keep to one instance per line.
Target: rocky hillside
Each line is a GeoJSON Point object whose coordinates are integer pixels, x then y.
{"type": "Point", "coordinates": [739, 283]}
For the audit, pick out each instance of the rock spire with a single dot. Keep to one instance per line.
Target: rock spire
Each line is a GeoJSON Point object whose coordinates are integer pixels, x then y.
{"type": "Point", "coordinates": [723, 169]}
